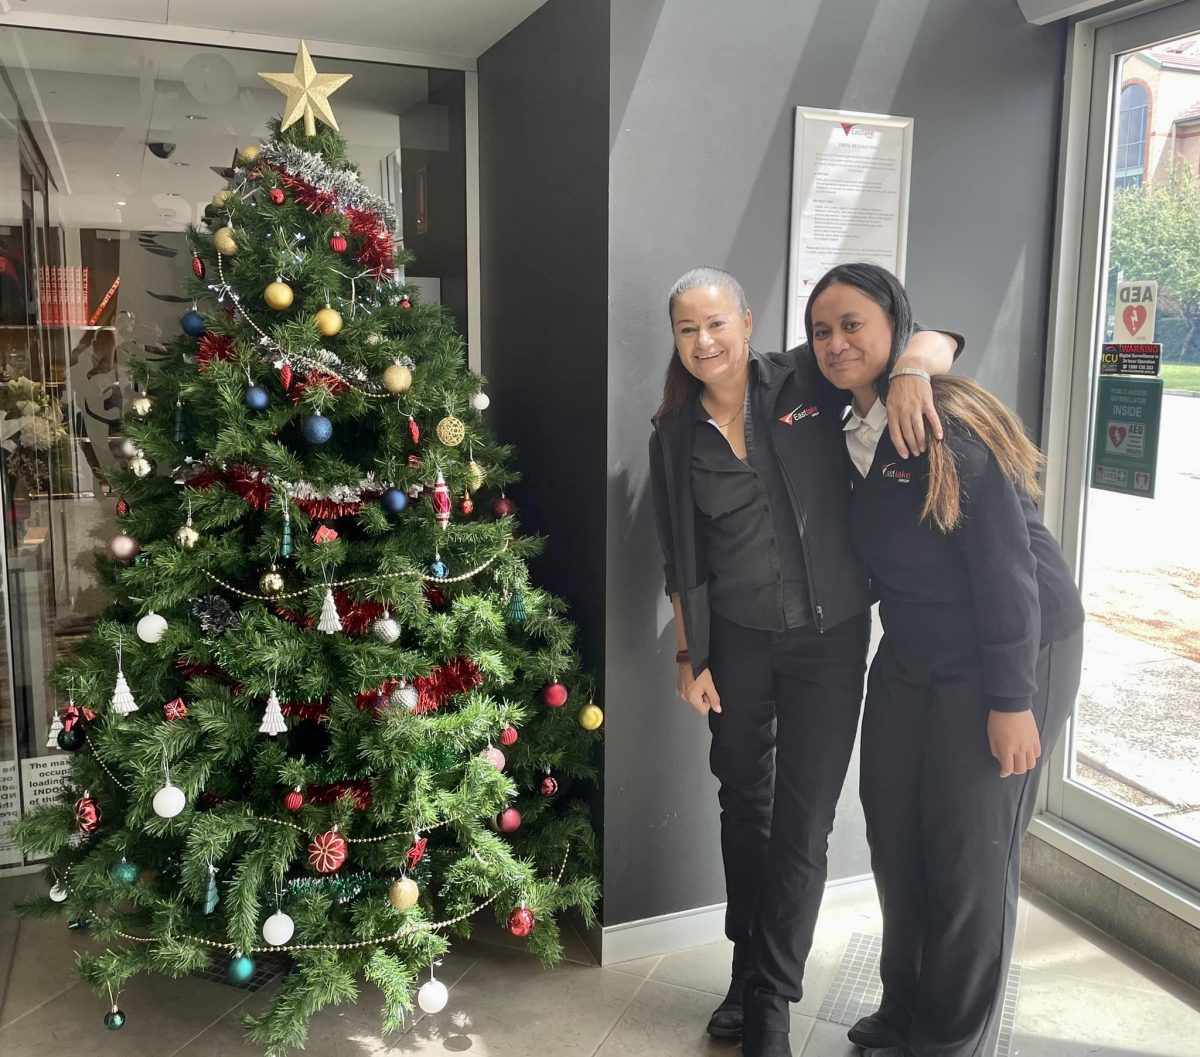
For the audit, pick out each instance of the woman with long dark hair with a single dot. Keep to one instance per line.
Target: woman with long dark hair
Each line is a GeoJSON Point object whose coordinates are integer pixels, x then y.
{"type": "Point", "coordinates": [976, 673]}
{"type": "Point", "coordinates": [771, 612]}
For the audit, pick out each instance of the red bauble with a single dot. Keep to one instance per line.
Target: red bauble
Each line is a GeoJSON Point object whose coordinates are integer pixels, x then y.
{"type": "Point", "coordinates": [337, 243]}
{"type": "Point", "coordinates": [197, 266]}
{"type": "Point", "coordinates": [467, 506]}
{"type": "Point", "coordinates": [509, 821]}
{"type": "Point", "coordinates": [176, 709]}
{"type": "Point", "coordinates": [521, 921]}
{"type": "Point", "coordinates": [87, 814]}
{"type": "Point", "coordinates": [327, 852]}
{"type": "Point", "coordinates": [276, 195]}
{"type": "Point", "coordinates": [503, 507]}
{"type": "Point", "coordinates": [555, 695]}
{"type": "Point", "coordinates": [122, 508]}
{"type": "Point", "coordinates": [434, 596]}
{"type": "Point", "coordinates": [548, 786]}
{"type": "Point", "coordinates": [294, 801]}
{"type": "Point", "coordinates": [405, 303]}
{"type": "Point", "coordinates": [508, 736]}
{"type": "Point", "coordinates": [414, 431]}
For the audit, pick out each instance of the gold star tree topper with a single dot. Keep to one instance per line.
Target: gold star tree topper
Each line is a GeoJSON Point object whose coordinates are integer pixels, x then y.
{"type": "Point", "coordinates": [307, 92]}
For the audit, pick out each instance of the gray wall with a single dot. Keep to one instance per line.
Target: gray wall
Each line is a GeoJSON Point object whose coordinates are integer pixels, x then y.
{"type": "Point", "coordinates": [701, 138]}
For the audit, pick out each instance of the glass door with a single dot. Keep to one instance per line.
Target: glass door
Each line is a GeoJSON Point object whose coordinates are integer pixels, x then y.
{"type": "Point", "coordinates": [1129, 769]}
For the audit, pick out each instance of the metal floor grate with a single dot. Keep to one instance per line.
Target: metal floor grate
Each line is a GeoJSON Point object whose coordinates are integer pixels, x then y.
{"type": "Point", "coordinates": [266, 968]}
{"type": "Point", "coordinates": [856, 990]}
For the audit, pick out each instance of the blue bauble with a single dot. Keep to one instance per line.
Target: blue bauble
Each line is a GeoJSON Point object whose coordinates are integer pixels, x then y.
{"type": "Point", "coordinates": [393, 500]}
{"type": "Point", "coordinates": [240, 969]}
{"type": "Point", "coordinates": [257, 398]}
{"type": "Point", "coordinates": [126, 872]}
{"type": "Point", "coordinates": [438, 568]}
{"type": "Point", "coordinates": [193, 324]}
{"type": "Point", "coordinates": [317, 429]}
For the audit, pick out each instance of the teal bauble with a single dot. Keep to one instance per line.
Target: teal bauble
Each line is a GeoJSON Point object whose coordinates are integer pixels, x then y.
{"type": "Point", "coordinates": [126, 872]}
{"type": "Point", "coordinates": [240, 969]}
{"type": "Point", "coordinates": [114, 1020]}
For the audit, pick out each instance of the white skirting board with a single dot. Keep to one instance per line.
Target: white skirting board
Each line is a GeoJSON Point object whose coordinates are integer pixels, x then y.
{"type": "Point", "coordinates": [650, 937]}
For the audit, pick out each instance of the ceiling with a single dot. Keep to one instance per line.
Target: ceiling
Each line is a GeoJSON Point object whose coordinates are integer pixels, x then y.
{"type": "Point", "coordinates": [94, 102]}
{"type": "Point", "coordinates": [463, 28]}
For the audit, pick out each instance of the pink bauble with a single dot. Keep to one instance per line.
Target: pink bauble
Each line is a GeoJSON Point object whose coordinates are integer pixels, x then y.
{"type": "Point", "coordinates": [494, 756]}
{"type": "Point", "coordinates": [503, 507]}
{"type": "Point", "coordinates": [124, 548]}
{"type": "Point", "coordinates": [555, 695]}
{"type": "Point", "coordinates": [508, 736]}
{"type": "Point", "coordinates": [509, 821]}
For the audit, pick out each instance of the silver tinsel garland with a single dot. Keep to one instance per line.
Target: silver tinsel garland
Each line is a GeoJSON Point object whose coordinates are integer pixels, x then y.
{"type": "Point", "coordinates": [348, 190]}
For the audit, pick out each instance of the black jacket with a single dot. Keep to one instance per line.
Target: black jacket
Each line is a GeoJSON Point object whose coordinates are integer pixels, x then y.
{"type": "Point", "coordinates": [802, 411]}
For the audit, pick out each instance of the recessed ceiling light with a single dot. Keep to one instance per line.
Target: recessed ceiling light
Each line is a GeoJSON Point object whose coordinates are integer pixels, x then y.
{"type": "Point", "coordinates": [120, 203]}
{"type": "Point", "coordinates": [116, 174]}
{"type": "Point", "coordinates": [196, 117]}
{"type": "Point", "coordinates": [181, 164]}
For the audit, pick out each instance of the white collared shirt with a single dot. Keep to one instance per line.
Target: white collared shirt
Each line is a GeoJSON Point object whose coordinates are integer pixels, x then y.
{"type": "Point", "coordinates": [863, 433]}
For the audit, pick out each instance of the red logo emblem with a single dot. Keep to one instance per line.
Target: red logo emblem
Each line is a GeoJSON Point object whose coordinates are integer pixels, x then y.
{"type": "Point", "coordinates": [847, 127]}
{"type": "Point", "coordinates": [893, 473]}
{"type": "Point", "coordinates": [1134, 316]}
{"type": "Point", "coordinates": [794, 416]}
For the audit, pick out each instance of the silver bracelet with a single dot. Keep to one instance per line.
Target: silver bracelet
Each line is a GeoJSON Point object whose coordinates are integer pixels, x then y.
{"type": "Point", "coordinates": [914, 371]}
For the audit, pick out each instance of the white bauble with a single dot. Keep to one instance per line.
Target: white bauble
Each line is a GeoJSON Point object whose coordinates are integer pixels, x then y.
{"type": "Point", "coordinates": [169, 801]}
{"type": "Point", "coordinates": [142, 406]}
{"type": "Point", "coordinates": [58, 894]}
{"type": "Point", "coordinates": [151, 627]}
{"type": "Point", "coordinates": [128, 448]}
{"type": "Point", "coordinates": [481, 401]}
{"type": "Point", "coordinates": [386, 629]}
{"type": "Point", "coordinates": [433, 996]}
{"type": "Point", "coordinates": [406, 696]}
{"type": "Point", "coordinates": [278, 929]}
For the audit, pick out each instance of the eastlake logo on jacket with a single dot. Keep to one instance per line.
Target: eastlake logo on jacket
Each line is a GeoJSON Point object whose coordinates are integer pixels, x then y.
{"type": "Point", "coordinates": [894, 473]}
{"type": "Point", "coordinates": [797, 413]}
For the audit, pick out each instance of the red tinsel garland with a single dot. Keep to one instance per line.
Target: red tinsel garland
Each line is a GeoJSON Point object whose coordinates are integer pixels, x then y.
{"type": "Point", "coordinates": [213, 347]}
{"type": "Point", "coordinates": [315, 710]}
{"type": "Point", "coordinates": [357, 791]}
{"type": "Point", "coordinates": [445, 681]}
{"type": "Point", "coordinates": [376, 251]}
{"type": "Point", "coordinates": [312, 198]}
{"type": "Point", "coordinates": [314, 377]}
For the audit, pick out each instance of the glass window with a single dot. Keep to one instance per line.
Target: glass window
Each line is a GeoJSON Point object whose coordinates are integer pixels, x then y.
{"type": "Point", "coordinates": [1132, 116]}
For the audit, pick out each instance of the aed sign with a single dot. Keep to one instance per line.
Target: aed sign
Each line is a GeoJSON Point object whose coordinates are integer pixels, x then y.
{"type": "Point", "coordinates": [1136, 305]}
{"type": "Point", "coordinates": [1131, 359]}
{"type": "Point", "coordinates": [1125, 444]}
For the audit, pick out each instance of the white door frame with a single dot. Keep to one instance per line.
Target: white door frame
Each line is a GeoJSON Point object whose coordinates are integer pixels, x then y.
{"type": "Point", "coordinates": [1079, 264]}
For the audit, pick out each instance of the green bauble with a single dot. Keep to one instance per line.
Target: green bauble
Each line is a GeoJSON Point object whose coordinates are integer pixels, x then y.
{"type": "Point", "coordinates": [126, 872]}
{"type": "Point", "coordinates": [114, 1020]}
{"type": "Point", "coordinates": [240, 969]}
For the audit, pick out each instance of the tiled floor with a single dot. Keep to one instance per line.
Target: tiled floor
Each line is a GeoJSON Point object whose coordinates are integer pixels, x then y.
{"type": "Point", "coordinates": [1081, 995]}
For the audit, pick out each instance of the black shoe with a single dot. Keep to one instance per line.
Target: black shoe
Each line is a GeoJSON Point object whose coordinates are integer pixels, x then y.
{"type": "Point", "coordinates": [890, 1051]}
{"type": "Point", "coordinates": [728, 1018]}
{"type": "Point", "coordinates": [875, 1032]}
{"type": "Point", "coordinates": [759, 1040]}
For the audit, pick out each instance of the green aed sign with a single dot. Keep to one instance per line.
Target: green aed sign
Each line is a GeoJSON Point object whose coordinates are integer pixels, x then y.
{"type": "Point", "coordinates": [1125, 444]}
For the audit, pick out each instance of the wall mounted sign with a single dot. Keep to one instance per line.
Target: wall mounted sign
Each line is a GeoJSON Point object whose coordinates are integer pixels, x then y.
{"type": "Point", "coordinates": [1137, 303]}
{"type": "Point", "coordinates": [850, 184]}
{"type": "Point", "coordinates": [1131, 359]}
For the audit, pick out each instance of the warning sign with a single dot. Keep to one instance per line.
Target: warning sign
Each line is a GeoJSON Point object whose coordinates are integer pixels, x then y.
{"type": "Point", "coordinates": [1143, 359]}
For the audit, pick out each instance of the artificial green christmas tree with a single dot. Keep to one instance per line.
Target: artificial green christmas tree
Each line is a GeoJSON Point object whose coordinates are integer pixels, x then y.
{"type": "Point", "coordinates": [327, 714]}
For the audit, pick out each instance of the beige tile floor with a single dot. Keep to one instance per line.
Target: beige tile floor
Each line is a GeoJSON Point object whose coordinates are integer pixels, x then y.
{"type": "Point", "coordinates": [1082, 995]}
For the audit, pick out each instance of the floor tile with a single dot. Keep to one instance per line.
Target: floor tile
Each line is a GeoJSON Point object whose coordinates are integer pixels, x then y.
{"type": "Point", "coordinates": [668, 1021]}
{"type": "Point", "coordinates": [829, 1040]}
{"type": "Point", "coordinates": [42, 966]}
{"type": "Point", "coordinates": [1064, 1016]}
{"type": "Point", "coordinates": [1058, 942]}
{"type": "Point", "coordinates": [642, 967]}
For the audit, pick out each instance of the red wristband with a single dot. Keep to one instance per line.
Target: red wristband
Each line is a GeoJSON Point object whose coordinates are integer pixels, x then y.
{"type": "Point", "coordinates": [683, 657]}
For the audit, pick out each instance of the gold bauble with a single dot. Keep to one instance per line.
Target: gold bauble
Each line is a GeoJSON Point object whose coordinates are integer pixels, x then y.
{"type": "Point", "coordinates": [223, 241]}
{"type": "Point", "coordinates": [187, 537]}
{"type": "Point", "coordinates": [271, 583]}
{"type": "Point", "coordinates": [142, 406]}
{"type": "Point", "coordinates": [278, 295]}
{"type": "Point", "coordinates": [474, 476]}
{"type": "Point", "coordinates": [397, 378]}
{"type": "Point", "coordinates": [374, 339]}
{"type": "Point", "coordinates": [591, 717]}
{"type": "Point", "coordinates": [221, 197]}
{"type": "Point", "coordinates": [248, 155]}
{"type": "Point", "coordinates": [329, 321]}
{"type": "Point", "coordinates": [403, 894]}
{"type": "Point", "coordinates": [451, 431]}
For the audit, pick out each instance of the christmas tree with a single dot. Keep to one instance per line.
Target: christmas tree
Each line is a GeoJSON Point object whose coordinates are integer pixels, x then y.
{"type": "Point", "coordinates": [327, 714]}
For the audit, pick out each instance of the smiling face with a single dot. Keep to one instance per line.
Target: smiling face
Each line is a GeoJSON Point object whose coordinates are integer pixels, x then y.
{"type": "Point", "coordinates": [711, 337]}
{"type": "Point", "coordinates": [852, 340]}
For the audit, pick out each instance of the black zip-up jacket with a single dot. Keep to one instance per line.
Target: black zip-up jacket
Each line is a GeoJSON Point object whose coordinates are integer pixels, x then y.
{"type": "Point", "coordinates": [801, 410]}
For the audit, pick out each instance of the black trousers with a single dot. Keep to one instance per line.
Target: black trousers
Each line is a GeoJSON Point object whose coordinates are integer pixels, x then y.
{"type": "Point", "coordinates": [780, 748]}
{"type": "Point", "coordinates": [945, 834]}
